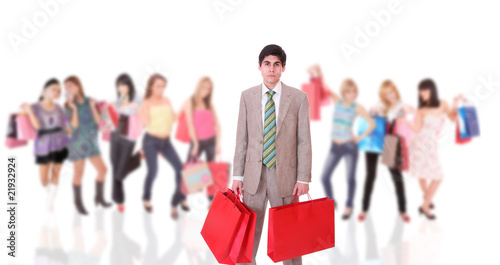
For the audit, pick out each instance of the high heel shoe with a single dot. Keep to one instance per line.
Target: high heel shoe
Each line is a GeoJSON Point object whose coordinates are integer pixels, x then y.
{"type": "Point", "coordinates": [361, 217]}
{"type": "Point", "coordinates": [99, 195]}
{"type": "Point", "coordinates": [77, 191]}
{"type": "Point", "coordinates": [347, 216]}
{"type": "Point", "coordinates": [405, 217]}
{"type": "Point", "coordinates": [429, 216]}
{"type": "Point", "coordinates": [149, 208]}
{"type": "Point", "coordinates": [174, 214]}
{"type": "Point", "coordinates": [185, 207]}
{"type": "Point", "coordinates": [431, 206]}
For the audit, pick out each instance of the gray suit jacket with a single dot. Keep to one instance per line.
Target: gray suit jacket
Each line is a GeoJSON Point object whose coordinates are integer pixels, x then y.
{"type": "Point", "coordinates": [293, 140]}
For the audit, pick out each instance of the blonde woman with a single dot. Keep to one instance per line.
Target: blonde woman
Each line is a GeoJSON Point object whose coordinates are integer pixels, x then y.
{"type": "Point", "coordinates": [203, 124]}
{"type": "Point", "coordinates": [393, 109]}
{"type": "Point", "coordinates": [344, 142]}
{"type": "Point", "coordinates": [158, 117]}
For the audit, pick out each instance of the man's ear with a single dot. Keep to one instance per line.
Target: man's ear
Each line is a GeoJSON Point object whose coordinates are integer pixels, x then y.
{"type": "Point", "coordinates": [259, 67]}
{"type": "Point", "coordinates": [283, 69]}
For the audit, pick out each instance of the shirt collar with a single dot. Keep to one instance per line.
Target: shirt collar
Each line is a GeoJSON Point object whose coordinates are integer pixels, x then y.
{"type": "Point", "coordinates": [276, 89]}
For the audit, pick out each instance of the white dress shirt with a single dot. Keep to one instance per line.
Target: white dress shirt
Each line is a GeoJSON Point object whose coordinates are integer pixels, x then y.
{"type": "Point", "coordinates": [276, 99]}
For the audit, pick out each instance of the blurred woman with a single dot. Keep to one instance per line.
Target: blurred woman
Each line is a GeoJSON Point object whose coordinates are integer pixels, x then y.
{"type": "Point", "coordinates": [344, 142]}
{"type": "Point", "coordinates": [122, 160]}
{"type": "Point", "coordinates": [393, 109]}
{"type": "Point", "coordinates": [83, 143]}
{"type": "Point", "coordinates": [424, 158]}
{"type": "Point", "coordinates": [52, 139]}
{"type": "Point", "coordinates": [158, 117]}
{"type": "Point", "coordinates": [203, 124]}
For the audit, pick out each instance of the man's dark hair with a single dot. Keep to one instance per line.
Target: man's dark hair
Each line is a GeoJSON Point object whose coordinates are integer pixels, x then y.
{"type": "Point", "coordinates": [273, 49]}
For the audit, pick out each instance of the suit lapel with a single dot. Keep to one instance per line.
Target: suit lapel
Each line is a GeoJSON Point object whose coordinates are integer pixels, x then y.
{"type": "Point", "coordinates": [284, 104]}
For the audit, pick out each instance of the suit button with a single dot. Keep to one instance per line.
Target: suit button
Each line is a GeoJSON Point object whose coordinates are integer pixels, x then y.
{"type": "Point", "coordinates": [260, 160]}
{"type": "Point", "coordinates": [260, 142]}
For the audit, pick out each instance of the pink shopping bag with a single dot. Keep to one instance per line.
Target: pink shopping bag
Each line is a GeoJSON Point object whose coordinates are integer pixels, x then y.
{"type": "Point", "coordinates": [25, 130]}
{"type": "Point", "coordinates": [134, 126]}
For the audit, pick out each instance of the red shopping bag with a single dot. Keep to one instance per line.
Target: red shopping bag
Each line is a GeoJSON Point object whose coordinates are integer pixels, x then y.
{"type": "Point", "coordinates": [405, 162]}
{"type": "Point", "coordinates": [405, 135]}
{"type": "Point", "coordinates": [314, 101]}
{"type": "Point", "coordinates": [220, 175]}
{"type": "Point", "coordinates": [300, 228]}
{"type": "Point", "coordinates": [245, 252]}
{"type": "Point", "coordinates": [318, 96]}
{"type": "Point", "coordinates": [113, 114]}
{"type": "Point", "coordinates": [324, 94]}
{"type": "Point", "coordinates": [225, 227]}
{"type": "Point", "coordinates": [182, 133]}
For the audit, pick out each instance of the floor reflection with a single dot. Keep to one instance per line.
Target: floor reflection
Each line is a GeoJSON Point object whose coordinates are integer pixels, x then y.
{"type": "Point", "coordinates": [187, 237]}
{"type": "Point", "coordinates": [372, 256]}
{"type": "Point", "coordinates": [49, 250]}
{"type": "Point", "coordinates": [188, 247]}
{"type": "Point", "coordinates": [78, 254]}
{"type": "Point", "coordinates": [124, 250]}
{"type": "Point", "coordinates": [425, 247]}
{"type": "Point", "coordinates": [392, 253]}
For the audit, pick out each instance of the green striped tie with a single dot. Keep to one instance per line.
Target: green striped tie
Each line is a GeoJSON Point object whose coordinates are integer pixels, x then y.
{"type": "Point", "coordinates": [269, 154]}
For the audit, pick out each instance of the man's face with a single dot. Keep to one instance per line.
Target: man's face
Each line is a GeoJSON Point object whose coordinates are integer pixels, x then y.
{"type": "Point", "coordinates": [271, 69]}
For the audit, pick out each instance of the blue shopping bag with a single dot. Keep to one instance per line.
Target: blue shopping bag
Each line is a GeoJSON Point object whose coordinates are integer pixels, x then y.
{"type": "Point", "coordinates": [468, 123]}
{"type": "Point", "coordinates": [462, 124]}
{"type": "Point", "coordinates": [374, 142]}
{"type": "Point", "coordinates": [472, 121]}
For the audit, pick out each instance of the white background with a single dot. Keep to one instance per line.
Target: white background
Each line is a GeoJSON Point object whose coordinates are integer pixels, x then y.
{"type": "Point", "coordinates": [456, 43]}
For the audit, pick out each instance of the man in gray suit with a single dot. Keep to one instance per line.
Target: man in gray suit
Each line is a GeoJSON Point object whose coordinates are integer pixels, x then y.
{"type": "Point", "coordinates": [272, 159]}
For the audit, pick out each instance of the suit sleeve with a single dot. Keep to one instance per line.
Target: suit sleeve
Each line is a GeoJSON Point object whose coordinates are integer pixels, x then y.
{"type": "Point", "coordinates": [241, 140]}
{"type": "Point", "coordinates": [304, 150]}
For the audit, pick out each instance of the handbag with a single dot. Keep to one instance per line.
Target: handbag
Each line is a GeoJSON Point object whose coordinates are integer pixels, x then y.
{"type": "Point", "coordinates": [300, 228]}
{"type": "Point", "coordinates": [196, 175]}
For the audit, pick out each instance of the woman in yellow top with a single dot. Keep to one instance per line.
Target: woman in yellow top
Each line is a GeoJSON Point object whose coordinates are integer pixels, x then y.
{"type": "Point", "coordinates": [157, 116]}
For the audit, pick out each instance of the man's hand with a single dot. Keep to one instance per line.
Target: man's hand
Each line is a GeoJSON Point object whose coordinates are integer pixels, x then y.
{"type": "Point", "coordinates": [299, 189]}
{"type": "Point", "coordinates": [237, 186]}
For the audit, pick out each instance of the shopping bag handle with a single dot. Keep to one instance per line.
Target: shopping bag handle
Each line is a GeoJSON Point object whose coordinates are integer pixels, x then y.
{"type": "Point", "coordinates": [193, 159]}
{"type": "Point", "coordinates": [238, 195]}
{"type": "Point", "coordinates": [295, 198]}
